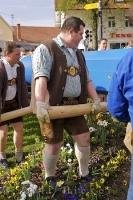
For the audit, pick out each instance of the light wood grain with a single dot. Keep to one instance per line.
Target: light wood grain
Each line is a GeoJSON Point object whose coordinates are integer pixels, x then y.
{"type": "Point", "coordinates": [57, 112]}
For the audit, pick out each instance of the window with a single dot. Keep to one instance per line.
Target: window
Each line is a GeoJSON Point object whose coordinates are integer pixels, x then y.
{"type": "Point", "coordinates": [128, 23]}
{"type": "Point", "coordinates": [111, 22]}
{"type": "Point", "coordinates": [114, 45]}
{"type": "Point", "coordinates": [117, 45]}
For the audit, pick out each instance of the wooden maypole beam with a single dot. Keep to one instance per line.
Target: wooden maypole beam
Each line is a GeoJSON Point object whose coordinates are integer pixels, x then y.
{"type": "Point", "coordinates": [56, 112]}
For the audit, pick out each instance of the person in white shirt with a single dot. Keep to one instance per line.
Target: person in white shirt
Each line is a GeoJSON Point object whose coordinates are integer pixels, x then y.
{"type": "Point", "coordinates": [13, 95]}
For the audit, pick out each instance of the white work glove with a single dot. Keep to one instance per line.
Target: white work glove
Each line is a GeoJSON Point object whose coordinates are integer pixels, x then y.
{"type": "Point", "coordinates": [96, 105]}
{"type": "Point", "coordinates": [41, 111]}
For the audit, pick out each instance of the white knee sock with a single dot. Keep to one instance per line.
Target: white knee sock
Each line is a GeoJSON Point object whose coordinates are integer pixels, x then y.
{"type": "Point", "coordinates": [2, 155]}
{"type": "Point", "coordinates": [49, 162]}
{"type": "Point", "coordinates": [82, 154]}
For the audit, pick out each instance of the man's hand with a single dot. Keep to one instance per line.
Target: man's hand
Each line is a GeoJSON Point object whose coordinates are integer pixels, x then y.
{"type": "Point", "coordinates": [41, 111]}
{"type": "Point", "coordinates": [96, 105]}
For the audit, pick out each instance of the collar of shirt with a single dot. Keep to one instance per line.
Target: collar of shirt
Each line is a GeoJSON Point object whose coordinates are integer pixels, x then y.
{"type": "Point", "coordinates": [72, 51]}
{"type": "Point", "coordinates": [7, 63]}
{"type": "Point", "coordinates": [60, 43]}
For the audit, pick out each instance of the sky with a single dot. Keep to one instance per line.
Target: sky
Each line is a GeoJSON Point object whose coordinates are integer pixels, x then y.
{"type": "Point", "coordinates": [28, 12]}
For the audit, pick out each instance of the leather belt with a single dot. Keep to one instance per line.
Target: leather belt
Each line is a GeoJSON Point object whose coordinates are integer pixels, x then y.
{"type": "Point", "coordinates": [12, 82]}
{"type": "Point", "coordinates": [70, 100]}
{"type": "Point", "coordinates": [72, 70]}
{"type": "Point", "coordinates": [11, 101]}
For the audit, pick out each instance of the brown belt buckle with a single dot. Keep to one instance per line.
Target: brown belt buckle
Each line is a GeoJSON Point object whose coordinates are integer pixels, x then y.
{"type": "Point", "coordinates": [12, 82]}
{"type": "Point", "coordinates": [72, 71]}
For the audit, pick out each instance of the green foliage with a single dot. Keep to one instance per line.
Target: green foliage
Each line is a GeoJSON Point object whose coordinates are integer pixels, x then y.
{"type": "Point", "coordinates": [83, 1]}
{"type": "Point", "coordinates": [86, 1]}
{"type": "Point", "coordinates": [65, 5]}
{"type": "Point", "coordinates": [70, 4]}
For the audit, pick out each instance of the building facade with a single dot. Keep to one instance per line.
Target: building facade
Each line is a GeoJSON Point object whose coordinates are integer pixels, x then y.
{"type": "Point", "coordinates": [5, 32]}
{"type": "Point", "coordinates": [117, 22]}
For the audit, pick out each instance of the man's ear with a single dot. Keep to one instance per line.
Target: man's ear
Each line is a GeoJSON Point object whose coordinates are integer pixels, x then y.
{"type": "Point", "coordinates": [71, 30]}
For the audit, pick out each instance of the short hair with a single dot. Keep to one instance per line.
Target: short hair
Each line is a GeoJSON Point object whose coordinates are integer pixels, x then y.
{"type": "Point", "coordinates": [10, 46]}
{"type": "Point", "coordinates": [102, 40]}
{"type": "Point", "coordinates": [72, 22]}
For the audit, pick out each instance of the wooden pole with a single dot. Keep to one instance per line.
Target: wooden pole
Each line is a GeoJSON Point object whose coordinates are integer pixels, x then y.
{"type": "Point", "coordinates": [56, 112]}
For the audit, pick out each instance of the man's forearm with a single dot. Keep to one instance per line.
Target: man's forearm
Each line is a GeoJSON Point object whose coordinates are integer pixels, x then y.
{"type": "Point", "coordinates": [41, 89]}
{"type": "Point", "coordinates": [91, 90]}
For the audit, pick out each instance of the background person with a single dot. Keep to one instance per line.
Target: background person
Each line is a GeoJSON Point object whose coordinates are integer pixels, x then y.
{"type": "Point", "coordinates": [120, 101]}
{"type": "Point", "coordinates": [59, 70]}
{"type": "Point", "coordinates": [130, 44]}
{"type": "Point", "coordinates": [102, 44]}
{"type": "Point", "coordinates": [13, 95]}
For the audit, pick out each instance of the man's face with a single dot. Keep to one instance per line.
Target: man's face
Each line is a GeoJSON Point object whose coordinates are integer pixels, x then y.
{"type": "Point", "coordinates": [14, 56]}
{"type": "Point", "coordinates": [75, 37]}
{"type": "Point", "coordinates": [103, 45]}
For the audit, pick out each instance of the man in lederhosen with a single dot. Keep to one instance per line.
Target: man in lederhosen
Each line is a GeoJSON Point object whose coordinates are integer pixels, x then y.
{"type": "Point", "coordinates": [13, 95]}
{"type": "Point", "coordinates": [60, 70]}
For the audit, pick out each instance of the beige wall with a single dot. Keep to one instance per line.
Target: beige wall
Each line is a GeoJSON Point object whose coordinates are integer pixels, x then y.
{"type": "Point", "coordinates": [5, 31]}
{"type": "Point", "coordinates": [119, 29]}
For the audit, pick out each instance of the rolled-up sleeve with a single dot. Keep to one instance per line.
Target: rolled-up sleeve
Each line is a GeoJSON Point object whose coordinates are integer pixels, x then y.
{"type": "Point", "coordinates": [41, 62]}
{"type": "Point", "coordinates": [88, 74]}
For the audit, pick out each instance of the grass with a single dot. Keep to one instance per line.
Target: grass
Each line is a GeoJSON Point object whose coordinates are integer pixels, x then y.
{"type": "Point", "coordinates": [32, 138]}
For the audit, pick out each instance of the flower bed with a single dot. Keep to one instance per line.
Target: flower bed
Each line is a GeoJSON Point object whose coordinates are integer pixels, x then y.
{"type": "Point", "coordinates": [108, 155]}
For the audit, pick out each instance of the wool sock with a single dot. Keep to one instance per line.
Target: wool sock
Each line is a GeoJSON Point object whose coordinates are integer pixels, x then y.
{"type": "Point", "coordinates": [19, 156]}
{"type": "Point", "coordinates": [49, 162]}
{"type": "Point", "coordinates": [82, 154]}
{"type": "Point", "coordinates": [2, 155]}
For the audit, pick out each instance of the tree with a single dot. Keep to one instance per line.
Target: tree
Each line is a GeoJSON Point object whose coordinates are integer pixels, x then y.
{"type": "Point", "coordinates": [62, 5]}
{"type": "Point", "coordinates": [69, 4]}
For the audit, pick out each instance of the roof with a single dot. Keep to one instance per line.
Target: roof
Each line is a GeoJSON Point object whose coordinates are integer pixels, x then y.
{"type": "Point", "coordinates": [35, 34]}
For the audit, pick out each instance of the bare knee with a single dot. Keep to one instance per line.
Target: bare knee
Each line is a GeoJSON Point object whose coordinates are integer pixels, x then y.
{"type": "Point", "coordinates": [3, 130]}
{"type": "Point", "coordinates": [18, 127]}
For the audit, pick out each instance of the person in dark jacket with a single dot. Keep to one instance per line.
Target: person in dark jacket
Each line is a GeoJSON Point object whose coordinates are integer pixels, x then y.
{"type": "Point", "coordinates": [120, 102]}
{"type": "Point", "coordinates": [13, 95]}
{"type": "Point", "coordinates": [61, 78]}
